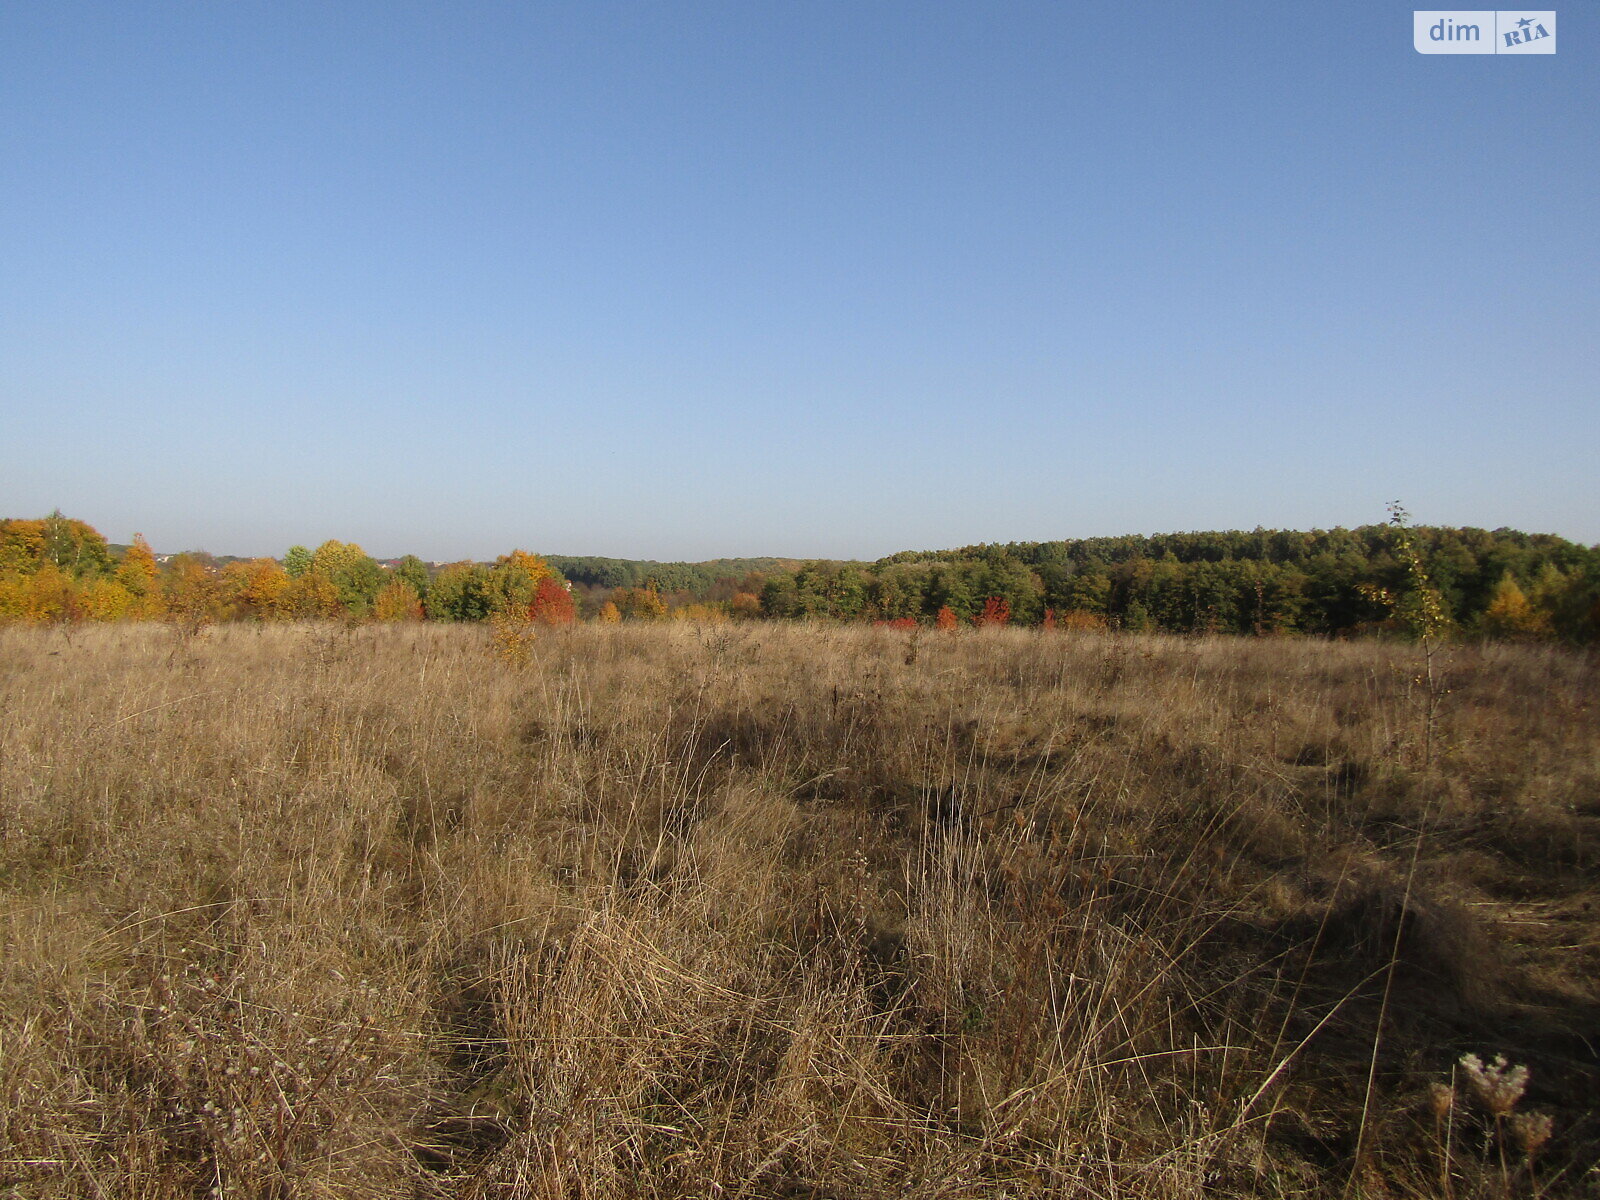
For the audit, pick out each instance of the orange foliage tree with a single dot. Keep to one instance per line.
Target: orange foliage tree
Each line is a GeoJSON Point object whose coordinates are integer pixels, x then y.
{"type": "Point", "coordinates": [192, 593]}
{"type": "Point", "coordinates": [21, 546]}
{"type": "Point", "coordinates": [256, 588]}
{"type": "Point", "coordinates": [552, 604]}
{"type": "Point", "coordinates": [996, 612]}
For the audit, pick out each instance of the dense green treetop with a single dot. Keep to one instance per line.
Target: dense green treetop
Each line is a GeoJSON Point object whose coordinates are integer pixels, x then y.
{"type": "Point", "coordinates": [696, 578]}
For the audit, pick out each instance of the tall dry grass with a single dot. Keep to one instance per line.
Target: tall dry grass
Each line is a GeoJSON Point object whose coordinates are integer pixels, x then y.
{"type": "Point", "coordinates": [788, 911]}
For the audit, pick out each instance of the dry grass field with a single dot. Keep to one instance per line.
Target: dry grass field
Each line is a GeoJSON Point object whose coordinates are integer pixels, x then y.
{"type": "Point", "coordinates": [783, 911]}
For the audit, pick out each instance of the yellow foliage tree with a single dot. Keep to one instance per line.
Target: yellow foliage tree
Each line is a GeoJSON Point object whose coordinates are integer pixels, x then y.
{"type": "Point", "coordinates": [46, 594]}
{"type": "Point", "coordinates": [334, 556]}
{"type": "Point", "coordinates": [520, 560]}
{"type": "Point", "coordinates": [106, 600]}
{"type": "Point", "coordinates": [137, 572]}
{"type": "Point", "coordinates": [193, 594]}
{"type": "Point", "coordinates": [311, 598]}
{"type": "Point", "coordinates": [1511, 614]}
{"type": "Point", "coordinates": [397, 601]}
{"type": "Point", "coordinates": [256, 588]}
{"type": "Point", "coordinates": [21, 546]}
{"type": "Point", "coordinates": [609, 613]}
{"type": "Point", "coordinates": [13, 587]}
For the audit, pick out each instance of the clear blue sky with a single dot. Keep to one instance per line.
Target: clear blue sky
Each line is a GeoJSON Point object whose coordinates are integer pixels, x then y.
{"type": "Point", "coordinates": [683, 280]}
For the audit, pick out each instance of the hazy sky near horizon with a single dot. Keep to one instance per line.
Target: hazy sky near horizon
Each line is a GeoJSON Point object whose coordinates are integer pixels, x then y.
{"type": "Point", "coordinates": [686, 280]}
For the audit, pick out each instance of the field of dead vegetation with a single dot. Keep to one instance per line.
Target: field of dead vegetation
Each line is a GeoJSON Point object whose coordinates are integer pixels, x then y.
{"type": "Point", "coordinates": [788, 911]}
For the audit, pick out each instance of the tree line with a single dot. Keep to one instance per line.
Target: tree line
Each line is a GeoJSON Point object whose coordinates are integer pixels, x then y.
{"type": "Point", "coordinates": [60, 569]}
{"type": "Point", "coordinates": [1327, 582]}
{"type": "Point", "coordinates": [1500, 583]}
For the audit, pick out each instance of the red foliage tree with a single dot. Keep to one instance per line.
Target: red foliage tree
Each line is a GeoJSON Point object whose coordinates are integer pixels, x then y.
{"type": "Point", "coordinates": [552, 604]}
{"type": "Point", "coordinates": [1049, 621]}
{"type": "Point", "coordinates": [946, 619]}
{"type": "Point", "coordinates": [995, 612]}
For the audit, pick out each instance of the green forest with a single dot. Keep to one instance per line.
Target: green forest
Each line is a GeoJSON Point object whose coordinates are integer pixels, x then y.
{"type": "Point", "coordinates": [1369, 580]}
{"type": "Point", "coordinates": [1337, 581]}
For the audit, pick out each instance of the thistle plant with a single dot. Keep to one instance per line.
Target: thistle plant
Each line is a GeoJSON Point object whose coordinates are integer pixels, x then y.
{"type": "Point", "coordinates": [1496, 1085]}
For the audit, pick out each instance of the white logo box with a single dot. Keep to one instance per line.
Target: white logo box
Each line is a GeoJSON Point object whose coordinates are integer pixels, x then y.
{"type": "Point", "coordinates": [1483, 31]}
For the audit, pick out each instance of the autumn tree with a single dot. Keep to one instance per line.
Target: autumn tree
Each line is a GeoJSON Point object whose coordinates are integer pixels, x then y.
{"type": "Point", "coordinates": [552, 604]}
{"type": "Point", "coordinates": [104, 599]}
{"type": "Point", "coordinates": [311, 597]}
{"type": "Point", "coordinates": [137, 572]}
{"type": "Point", "coordinates": [192, 594]}
{"type": "Point", "coordinates": [514, 580]}
{"type": "Point", "coordinates": [22, 546]}
{"type": "Point", "coordinates": [352, 571]}
{"type": "Point", "coordinates": [996, 613]}
{"type": "Point", "coordinates": [397, 600]}
{"type": "Point", "coordinates": [13, 596]}
{"type": "Point", "coordinates": [74, 548]}
{"type": "Point", "coordinates": [1510, 613]}
{"type": "Point", "coordinates": [45, 594]}
{"type": "Point", "coordinates": [256, 587]}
